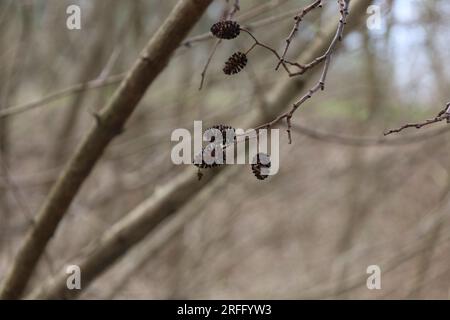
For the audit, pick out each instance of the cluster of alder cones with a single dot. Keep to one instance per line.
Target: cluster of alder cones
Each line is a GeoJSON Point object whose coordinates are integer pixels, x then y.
{"type": "Point", "coordinates": [229, 30]}
{"type": "Point", "coordinates": [260, 164]}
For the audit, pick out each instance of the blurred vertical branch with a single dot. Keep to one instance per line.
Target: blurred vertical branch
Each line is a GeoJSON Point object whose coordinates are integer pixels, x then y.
{"type": "Point", "coordinates": [110, 122]}
{"type": "Point", "coordinates": [432, 32]}
{"type": "Point", "coordinates": [359, 200]}
{"type": "Point", "coordinates": [431, 14]}
{"type": "Point", "coordinates": [155, 242]}
{"type": "Point", "coordinates": [95, 56]}
{"type": "Point", "coordinates": [10, 76]}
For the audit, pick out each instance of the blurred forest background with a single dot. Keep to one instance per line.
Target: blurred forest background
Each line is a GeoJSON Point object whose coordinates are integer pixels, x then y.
{"type": "Point", "coordinates": [344, 198]}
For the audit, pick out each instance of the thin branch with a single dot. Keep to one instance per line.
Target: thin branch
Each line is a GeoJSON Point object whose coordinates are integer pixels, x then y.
{"type": "Point", "coordinates": [366, 141]}
{"type": "Point", "coordinates": [344, 5]}
{"type": "Point", "coordinates": [281, 60]}
{"type": "Point", "coordinates": [245, 17]}
{"type": "Point", "coordinates": [260, 9]}
{"type": "Point", "coordinates": [441, 116]}
{"type": "Point", "coordinates": [230, 15]}
{"type": "Point", "coordinates": [284, 63]}
{"type": "Point", "coordinates": [93, 84]}
{"type": "Point", "coordinates": [114, 79]}
{"type": "Point", "coordinates": [236, 8]}
{"type": "Point", "coordinates": [262, 45]}
{"type": "Point", "coordinates": [24, 208]}
{"type": "Point", "coordinates": [208, 61]}
{"type": "Point", "coordinates": [298, 19]}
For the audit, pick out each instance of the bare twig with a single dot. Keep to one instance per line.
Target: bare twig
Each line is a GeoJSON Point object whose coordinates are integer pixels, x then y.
{"type": "Point", "coordinates": [303, 67]}
{"type": "Point", "coordinates": [242, 18]}
{"type": "Point", "coordinates": [115, 79]}
{"type": "Point", "coordinates": [208, 61]}
{"type": "Point", "coordinates": [262, 45]}
{"type": "Point", "coordinates": [365, 141]}
{"type": "Point", "coordinates": [344, 5]}
{"type": "Point", "coordinates": [93, 84]}
{"type": "Point", "coordinates": [441, 116]}
{"type": "Point", "coordinates": [260, 9]}
{"type": "Point", "coordinates": [298, 19]}
{"type": "Point", "coordinates": [236, 8]}
{"type": "Point", "coordinates": [230, 15]}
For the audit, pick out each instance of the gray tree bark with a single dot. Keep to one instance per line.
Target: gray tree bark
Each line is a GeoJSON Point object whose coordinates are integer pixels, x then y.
{"type": "Point", "coordinates": [110, 122]}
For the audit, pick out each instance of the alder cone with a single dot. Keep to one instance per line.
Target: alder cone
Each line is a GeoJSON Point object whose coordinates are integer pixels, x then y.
{"type": "Point", "coordinates": [226, 29]}
{"type": "Point", "coordinates": [235, 63]}
{"type": "Point", "coordinates": [228, 133]}
{"type": "Point", "coordinates": [199, 160]}
{"type": "Point", "coordinates": [262, 161]}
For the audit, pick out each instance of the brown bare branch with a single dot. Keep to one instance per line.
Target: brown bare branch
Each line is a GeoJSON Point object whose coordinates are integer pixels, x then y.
{"type": "Point", "coordinates": [112, 118]}
{"type": "Point", "coordinates": [344, 6]}
{"type": "Point", "coordinates": [298, 19]}
{"type": "Point", "coordinates": [230, 15]}
{"type": "Point", "coordinates": [441, 116]}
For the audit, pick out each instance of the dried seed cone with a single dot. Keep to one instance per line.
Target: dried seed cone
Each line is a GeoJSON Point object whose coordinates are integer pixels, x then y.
{"type": "Point", "coordinates": [262, 161]}
{"type": "Point", "coordinates": [200, 162]}
{"type": "Point", "coordinates": [228, 133]}
{"type": "Point", "coordinates": [235, 63]}
{"type": "Point", "coordinates": [226, 29]}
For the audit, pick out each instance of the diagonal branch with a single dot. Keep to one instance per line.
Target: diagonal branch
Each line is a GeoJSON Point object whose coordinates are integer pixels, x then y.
{"type": "Point", "coordinates": [80, 87]}
{"type": "Point", "coordinates": [117, 78]}
{"type": "Point", "coordinates": [441, 116]}
{"type": "Point", "coordinates": [354, 141]}
{"type": "Point", "coordinates": [320, 85]}
{"type": "Point", "coordinates": [298, 19]}
{"type": "Point", "coordinates": [236, 7]}
{"type": "Point", "coordinates": [110, 123]}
